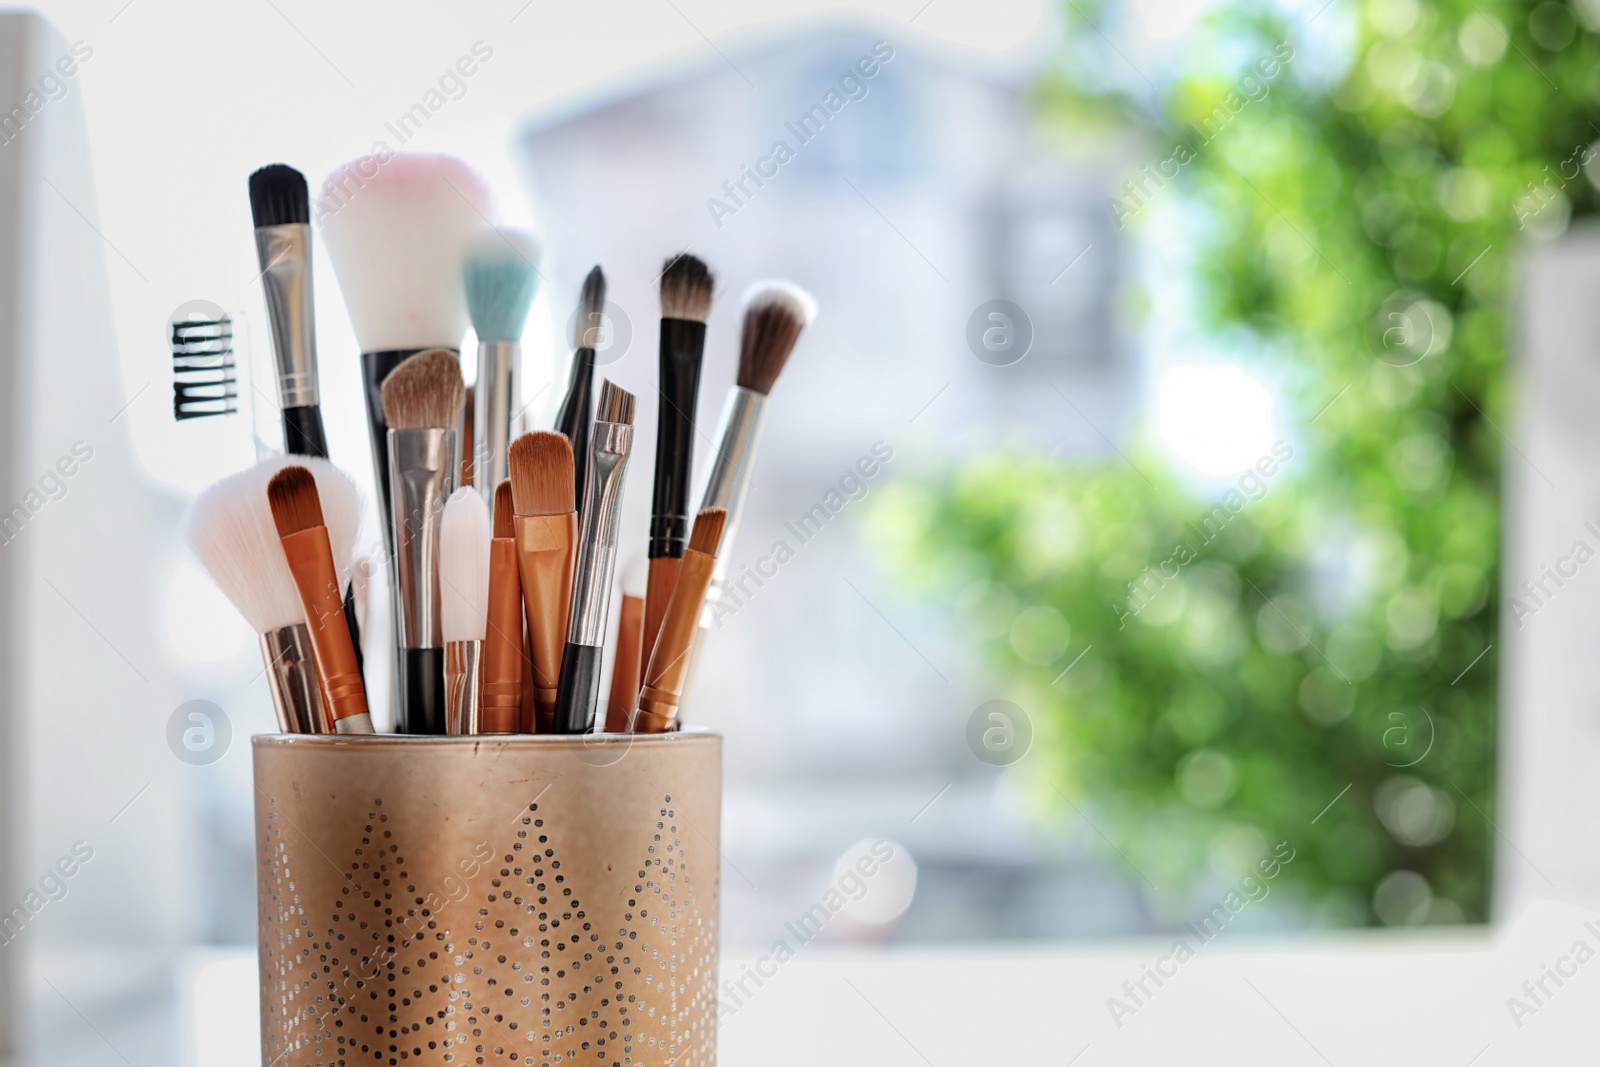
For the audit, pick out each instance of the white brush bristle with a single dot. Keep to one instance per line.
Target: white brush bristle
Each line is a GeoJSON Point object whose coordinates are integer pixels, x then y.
{"type": "Point", "coordinates": [231, 533]}
{"type": "Point", "coordinates": [464, 535]}
{"type": "Point", "coordinates": [635, 578]}
{"type": "Point", "coordinates": [801, 303]}
{"type": "Point", "coordinates": [397, 233]}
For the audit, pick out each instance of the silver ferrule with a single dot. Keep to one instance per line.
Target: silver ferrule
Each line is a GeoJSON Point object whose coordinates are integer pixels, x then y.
{"type": "Point", "coordinates": [609, 444]}
{"type": "Point", "coordinates": [728, 486]}
{"type": "Point", "coordinates": [292, 679]}
{"type": "Point", "coordinates": [284, 253]}
{"type": "Point", "coordinates": [462, 698]}
{"type": "Point", "coordinates": [423, 467]}
{"type": "Point", "coordinates": [492, 398]}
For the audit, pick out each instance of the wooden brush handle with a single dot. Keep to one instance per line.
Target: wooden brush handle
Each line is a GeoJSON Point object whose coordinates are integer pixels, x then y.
{"type": "Point", "coordinates": [546, 549]}
{"type": "Point", "coordinates": [311, 563]}
{"type": "Point", "coordinates": [657, 592]}
{"type": "Point", "coordinates": [625, 671]}
{"type": "Point", "coordinates": [500, 702]}
{"type": "Point", "coordinates": [669, 662]}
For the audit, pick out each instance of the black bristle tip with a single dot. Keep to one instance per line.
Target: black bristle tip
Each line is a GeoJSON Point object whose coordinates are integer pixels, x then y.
{"type": "Point", "coordinates": [278, 196]}
{"type": "Point", "coordinates": [591, 309]}
{"type": "Point", "coordinates": [686, 286]}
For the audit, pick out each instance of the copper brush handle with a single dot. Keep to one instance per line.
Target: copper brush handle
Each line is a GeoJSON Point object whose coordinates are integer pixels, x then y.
{"type": "Point", "coordinates": [500, 708]}
{"type": "Point", "coordinates": [546, 548]}
{"type": "Point", "coordinates": [669, 662]}
{"type": "Point", "coordinates": [657, 595]}
{"type": "Point", "coordinates": [625, 671]}
{"type": "Point", "coordinates": [311, 563]}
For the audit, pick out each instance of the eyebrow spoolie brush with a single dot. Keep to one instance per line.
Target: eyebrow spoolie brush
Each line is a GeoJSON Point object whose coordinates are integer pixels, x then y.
{"type": "Point", "coordinates": [297, 512]}
{"type": "Point", "coordinates": [686, 286]}
{"type": "Point", "coordinates": [547, 535]}
{"type": "Point", "coordinates": [609, 446]}
{"type": "Point", "coordinates": [501, 276]}
{"type": "Point", "coordinates": [575, 416]}
{"type": "Point", "coordinates": [421, 403]}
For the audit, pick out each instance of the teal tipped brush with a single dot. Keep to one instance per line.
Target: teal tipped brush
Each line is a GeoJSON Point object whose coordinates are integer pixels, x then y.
{"type": "Point", "coordinates": [501, 276]}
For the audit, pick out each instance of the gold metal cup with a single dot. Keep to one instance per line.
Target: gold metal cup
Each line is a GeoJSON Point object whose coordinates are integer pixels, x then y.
{"type": "Point", "coordinates": [503, 900]}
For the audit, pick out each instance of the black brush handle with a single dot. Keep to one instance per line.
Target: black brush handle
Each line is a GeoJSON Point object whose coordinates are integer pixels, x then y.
{"type": "Point", "coordinates": [375, 367]}
{"type": "Point", "coordinates": [422, 678]}
{"type": "Point", "coordinates": [302, 432]}
{"type": "Point", "coordinates": [578, 692]}
{"type": "Point", "coordinates": [682, 345]}
{"type": "Point", "coordinates": [577, 414]}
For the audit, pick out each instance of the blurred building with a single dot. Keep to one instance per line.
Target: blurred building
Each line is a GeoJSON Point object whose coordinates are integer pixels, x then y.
{"type": "Point", "coordinates": [908, 191]}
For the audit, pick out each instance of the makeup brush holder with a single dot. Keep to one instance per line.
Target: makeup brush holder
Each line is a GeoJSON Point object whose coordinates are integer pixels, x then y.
{"type": "Point", "coordinates": [488, 900]}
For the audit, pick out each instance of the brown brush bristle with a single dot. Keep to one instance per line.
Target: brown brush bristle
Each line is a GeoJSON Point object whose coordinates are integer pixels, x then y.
{"type": "Point", "coordinates": [541, 474]}
{"type": "Point", "coordinates": [292, 495]}
{"type": "Point", "coordinates": [616, 404]}
{"type": "Point", "coordinates": [425, 392]}
{"type": "Point", "coordinates": [707, 533]}
{"type": "Point", "coordinates": [686, 285]}
{"type": "Point", "coordinates": [770, 331]}
{"type": "Point", "coordinates": [504, 510]}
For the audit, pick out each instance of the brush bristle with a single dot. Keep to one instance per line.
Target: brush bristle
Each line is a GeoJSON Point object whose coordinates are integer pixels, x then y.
{"type": "Point", "coordinates": [774, 315]}
{"type": "Point", "coordinates": [591, 310]}
{"type": "Point", "coordinates": [425, 392]}
{"type": "Point", "coordinates": [501, 276]}
{"type": "Point", "coordinates": [397, 232]}
{"type": "Point", "coordinates": [231, 533]}
{"type": "Point", "coordinates": [464, 566]}
{"type": "Point", "coordinates": [504, 510]}
{"type": "Point", "coordinates": [616, 404]}
{"type": "Point", "coordinates": [686, 285]}
{"type": "Point", "coordinates": [541, 474]}
{"type": "Point", "coordinates": [278, 196]}
{"type": "Point", "coordinates": [635, 570]}
{"type": "Point", "coordinates": [707, 533]}
{"type": "Point", "coordinates": [292, 495]}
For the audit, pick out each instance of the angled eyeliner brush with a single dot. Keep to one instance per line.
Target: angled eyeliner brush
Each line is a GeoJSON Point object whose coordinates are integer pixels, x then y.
{"type": "Point", "coordinates": [578, 692]}
{"type": "Point", "coordinates": [575, 416]}
{"type": "Point", "coordinates": [686, 286]}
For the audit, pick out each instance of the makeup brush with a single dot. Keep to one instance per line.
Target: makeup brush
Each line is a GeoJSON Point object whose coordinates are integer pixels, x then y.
{"type": "Point", "coordinates": [575, 415]}
{"type": "Point", "coordinates": [421, 401]}
{"type": "Point", "coordinates": [630, 626]}
{"type": "Point", "coordinates": [231, 532]}
{"type": "Point", "coordinates": [609, 445]}
{"type": "Point", "coordinates": [547, 537]}
{"type": "Point", "coordinates": [297, 512]}
{"type": "Point", "coordinates": [504, 663]}
{"type": "Point", "coordinates": [686, 286]}
{"type": "Point", "coordinates": [397, 228]}
{"type": "Point", "coordinates": [463, 605]}
{"type": "Point", "coordinates": [464, 432]}
{"type": "Point", "coordinates": [501, 275]}
{"type": "Point", "coordinates": [669, 660]}
{"type": "Point", "coordinates": [281, 209]}
{"type": "Point", "coordinates": [775, 313]}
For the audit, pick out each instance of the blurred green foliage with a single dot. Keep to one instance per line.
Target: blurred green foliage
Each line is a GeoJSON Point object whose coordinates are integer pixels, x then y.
{"type": "Point", "coordinates": [1361, 220]}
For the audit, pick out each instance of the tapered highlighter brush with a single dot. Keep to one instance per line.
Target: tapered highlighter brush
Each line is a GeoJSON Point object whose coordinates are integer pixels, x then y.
{"type": "Point", "coordinates": [231, 532]}
{"type": "Point", "coordinates": [775, 313]}
{"type": "Point", "coordinates": [686, 287]}
{"type": "Point", "coordinates": [397, 230]}
{"type": "Point", "coordinates": [280, 206]}
{"type": "Point", "coordinates": [504, 661]}
{"type": "Point", "coordinates": [501, 275]}
{"type": "Point", "coordinates": [547, 540]}
{"type": "Point", "coordinates": [297, 512]}
{"type": "Point", "coordinates": [625, 668]}
{"type": "Point", "coordinates": [576, 413]}
{"type": "Point", "coordinates": [669, 660]}
{"type": "Point", "coordinates": [609, 445]}
{"type": "Point", "coordinates": [463, 605]}
{"type": "Point", "coordinates": [421, 403]}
